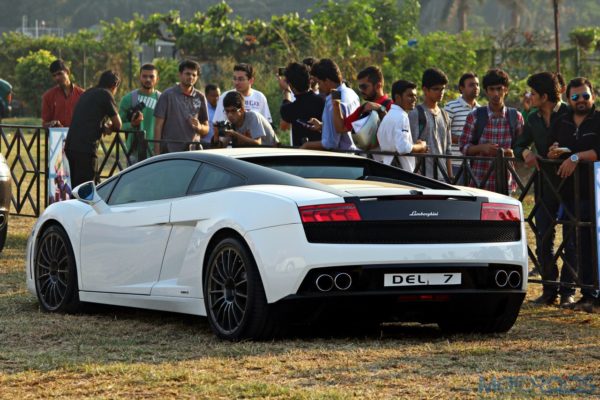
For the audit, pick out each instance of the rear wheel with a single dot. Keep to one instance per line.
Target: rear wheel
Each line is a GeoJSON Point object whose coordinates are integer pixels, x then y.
{"type": "Point", "coordinates": [234, 296]}
{"type": "Point", "coordinates": [55, 273]}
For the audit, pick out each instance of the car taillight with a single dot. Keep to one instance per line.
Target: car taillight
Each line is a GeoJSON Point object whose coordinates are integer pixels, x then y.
{"type": "Point", "coordinates": [9, 98]}
{"type": "Point", "coordinates": [329, 213]}
{"type": "Point", "coordinates": [500, 212]}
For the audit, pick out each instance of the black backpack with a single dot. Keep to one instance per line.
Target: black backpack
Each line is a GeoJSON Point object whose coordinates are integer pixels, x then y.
{"type": "Point", "coordinates": [481, 115]}
{"type": "Point", "coordinates": [423, 119]}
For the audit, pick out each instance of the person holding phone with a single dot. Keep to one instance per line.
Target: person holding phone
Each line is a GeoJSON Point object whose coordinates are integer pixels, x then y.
{"type": "Point", "coordinates": [295, 78]}
{"type": "Point", "coordinates": [579, 131]}
{"type": "Point", "coordinates": [328, 75]}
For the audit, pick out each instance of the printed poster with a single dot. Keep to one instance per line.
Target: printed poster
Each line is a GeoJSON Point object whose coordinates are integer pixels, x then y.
{"type": "Point", "coordinates": [59, 177]}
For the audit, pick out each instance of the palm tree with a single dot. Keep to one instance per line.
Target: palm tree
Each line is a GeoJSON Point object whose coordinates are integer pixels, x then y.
{"type": "Point", "coordinates": [516, 7]}
{"type": "Point", "coordinates": [459, 9]}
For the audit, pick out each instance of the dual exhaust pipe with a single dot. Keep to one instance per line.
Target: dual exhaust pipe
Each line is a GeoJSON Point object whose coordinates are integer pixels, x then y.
{"type": "Point", "coordinates": [326, 282]}
{"type": "Point", "coordinates": [504, 278]}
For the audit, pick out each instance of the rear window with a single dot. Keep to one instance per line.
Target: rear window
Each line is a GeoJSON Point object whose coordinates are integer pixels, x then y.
{"type": "Point", "coordinates": [314, 167]}
{"type": "Point", "coordinates": [328, 167]}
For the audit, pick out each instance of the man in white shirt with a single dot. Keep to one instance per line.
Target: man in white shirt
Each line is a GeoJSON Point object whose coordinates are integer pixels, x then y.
{"type": "Point", "coordinates": [394, 131]}
{"type": "Point", "coordinates": [458, 109]}
{"type": "Point", "coordinates": [254, 100]}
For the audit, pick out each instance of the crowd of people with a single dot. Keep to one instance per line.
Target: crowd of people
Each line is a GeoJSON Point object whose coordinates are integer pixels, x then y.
{"type": "Point", "coordinates": [323, 112]}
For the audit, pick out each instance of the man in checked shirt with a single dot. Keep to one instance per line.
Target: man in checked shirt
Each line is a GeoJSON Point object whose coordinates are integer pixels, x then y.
{"type": "Point", "coordinates": [490, 128]}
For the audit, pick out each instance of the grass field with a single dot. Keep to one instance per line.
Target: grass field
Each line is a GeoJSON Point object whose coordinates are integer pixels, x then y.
{"type": "Point", "coordinates": [124, 353]}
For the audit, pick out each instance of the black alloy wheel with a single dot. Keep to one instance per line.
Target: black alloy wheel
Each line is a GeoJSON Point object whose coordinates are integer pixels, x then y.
{"type": "Point", "coordinates": [55, 273]}
{"type": "Point", "coordinates": [235, 301]}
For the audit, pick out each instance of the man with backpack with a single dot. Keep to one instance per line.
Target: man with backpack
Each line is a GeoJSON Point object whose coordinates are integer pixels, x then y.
{"type": "Point", "coordinates": [431, 124]}
{"type": "Point", "coordinates": [491, 128]}
{"type": "Point", "coordinates": [137, 109]}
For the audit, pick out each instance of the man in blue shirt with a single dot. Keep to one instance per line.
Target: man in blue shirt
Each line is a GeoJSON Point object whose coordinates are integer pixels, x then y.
{"type": "Point", "coordinates": [328, 75]}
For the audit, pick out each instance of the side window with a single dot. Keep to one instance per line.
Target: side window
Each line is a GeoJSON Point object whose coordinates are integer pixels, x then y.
{"type": "Point", "coordinates": [106, 188]}
{"type": "Point", "coordinates": [211, 178]}
{"type": "Point", "coordinates": [160, 180]}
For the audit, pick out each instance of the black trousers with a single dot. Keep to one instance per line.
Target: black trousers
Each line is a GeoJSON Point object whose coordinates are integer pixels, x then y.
{"type": "Point", "coordinates": [82, 167]}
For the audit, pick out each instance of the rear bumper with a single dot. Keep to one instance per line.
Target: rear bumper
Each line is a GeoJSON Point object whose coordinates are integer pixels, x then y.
{"type": "Point", "coordinates": [285, 258]}
{"type": "Point", "coordinates": [422, 306]}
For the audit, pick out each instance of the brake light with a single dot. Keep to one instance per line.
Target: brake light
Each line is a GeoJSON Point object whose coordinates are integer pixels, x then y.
{"type": "Point", "coordinates": [329, 213]}
{"type": "Point", "coordinates": [500, 212]}
{"type": "Point", "coordinates": [9, 98]}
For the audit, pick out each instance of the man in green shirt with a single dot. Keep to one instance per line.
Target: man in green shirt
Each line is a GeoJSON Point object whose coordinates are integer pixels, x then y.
{"type": "Point", "coordinates": [144, 119]}
{"type": "Point", "coordinates": [545, 97]}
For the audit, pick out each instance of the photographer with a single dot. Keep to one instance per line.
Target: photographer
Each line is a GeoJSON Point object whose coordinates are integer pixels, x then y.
{"type": "Point", "coordinates": [137, 108]}
{"type": "Point", "coordinates": [248, 128]}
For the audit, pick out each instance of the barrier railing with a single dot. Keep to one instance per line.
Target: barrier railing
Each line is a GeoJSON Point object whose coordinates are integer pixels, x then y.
{"type": "Point", "coordinates": [24, 148]}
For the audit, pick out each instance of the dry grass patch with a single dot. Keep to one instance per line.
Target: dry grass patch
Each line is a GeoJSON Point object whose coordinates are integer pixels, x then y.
{"type": "Point", "coordinates": [112, 352]}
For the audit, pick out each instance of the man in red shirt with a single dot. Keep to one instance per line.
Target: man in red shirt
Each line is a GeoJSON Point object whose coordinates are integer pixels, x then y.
{"type": "Point", "coordinates": [370, 84]}
{"type": "Point", "coordinates": [59, 102]}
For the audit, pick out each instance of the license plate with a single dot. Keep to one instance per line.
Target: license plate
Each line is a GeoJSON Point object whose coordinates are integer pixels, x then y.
{"type": "Point", "coordinates": [433, 279]}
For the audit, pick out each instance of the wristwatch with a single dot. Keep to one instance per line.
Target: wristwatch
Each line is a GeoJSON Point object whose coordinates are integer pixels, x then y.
{"type": "Point", "coordinates": [574, 158]}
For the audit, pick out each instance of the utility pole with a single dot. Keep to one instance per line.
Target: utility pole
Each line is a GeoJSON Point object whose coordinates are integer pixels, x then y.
{"type": "Point", "coordinates": [556, 35]}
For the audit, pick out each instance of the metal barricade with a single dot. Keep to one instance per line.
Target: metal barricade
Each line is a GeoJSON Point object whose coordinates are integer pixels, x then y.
{"type": "Point", "coordinates": [24, 148]}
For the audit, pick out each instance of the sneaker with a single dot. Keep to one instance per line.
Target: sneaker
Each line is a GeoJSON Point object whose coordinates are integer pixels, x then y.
{"type": "Point", "coordinates": [584, 304]}
{"type": "Point", "coordinates": [546, 299]}
{"type": "Point", "coordinates": [566, 301]}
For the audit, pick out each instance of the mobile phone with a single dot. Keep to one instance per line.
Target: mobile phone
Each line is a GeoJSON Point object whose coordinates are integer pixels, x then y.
{"type": "Point", "coordinates": [304, 124]}
{"type": "Point", "coordinates": [562, 150]}
{"type": "Point", "coordinates": [281, 71]}
{"type": "Point", "coordinates": [336, 94]}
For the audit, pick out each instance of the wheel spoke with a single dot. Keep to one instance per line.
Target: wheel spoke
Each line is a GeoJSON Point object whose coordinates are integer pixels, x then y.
{"type": "Point", "coordinates": [240, 283]}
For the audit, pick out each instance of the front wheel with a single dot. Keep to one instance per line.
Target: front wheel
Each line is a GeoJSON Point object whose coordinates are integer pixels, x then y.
{"type": "Point", "coordinates": [234, 296]}
{"type": "Point", "coordinates": [55, 273]}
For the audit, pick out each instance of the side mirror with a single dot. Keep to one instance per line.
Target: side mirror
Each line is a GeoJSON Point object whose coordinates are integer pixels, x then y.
{"type": "Point", "coordinates": [86, 193]}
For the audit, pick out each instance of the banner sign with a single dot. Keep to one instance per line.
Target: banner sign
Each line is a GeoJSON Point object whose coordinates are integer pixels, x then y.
{"type": "Point", "coordinates": [59, 177]}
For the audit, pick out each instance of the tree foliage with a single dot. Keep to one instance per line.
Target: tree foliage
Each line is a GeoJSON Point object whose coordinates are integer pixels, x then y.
{"type": "Point", "coordinates": [32, 77]}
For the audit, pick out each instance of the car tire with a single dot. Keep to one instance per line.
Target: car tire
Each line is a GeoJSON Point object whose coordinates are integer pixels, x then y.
{"type": "Point", "coordinates": [3, 234]}
{"type": "Point", "coordinates": [55, 273]}
{"type": "Point", "coordinates": [236, 305]}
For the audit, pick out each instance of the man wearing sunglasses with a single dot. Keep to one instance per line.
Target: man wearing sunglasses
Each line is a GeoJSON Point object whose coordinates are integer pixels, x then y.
{"type": "Point", "coordinates": [59, 102]}
{"type": "Point", "coordinates": [576, 137]}
{"type": "Point", "coordinates": [370, 85]}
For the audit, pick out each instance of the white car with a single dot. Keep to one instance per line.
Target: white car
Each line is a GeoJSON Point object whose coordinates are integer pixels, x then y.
{"type": "Point", "coordinates": [257, 239]}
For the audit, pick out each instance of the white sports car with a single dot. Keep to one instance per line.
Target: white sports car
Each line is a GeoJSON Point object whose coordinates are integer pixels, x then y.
{"type": "Point", "coordinates": [259, 239]}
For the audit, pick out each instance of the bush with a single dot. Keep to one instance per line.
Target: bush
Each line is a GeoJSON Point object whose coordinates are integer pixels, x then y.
{"type": "Point", "coordinates": [33, 79]}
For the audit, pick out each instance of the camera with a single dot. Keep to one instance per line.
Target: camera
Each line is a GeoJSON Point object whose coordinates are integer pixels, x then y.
{"type": "Point", "coordinates": [336, 94]}
{"type": "Point", "coordinates": [223, 126]}
{"type": "Point", "coordinates": [139, 107]}
{"type": "Point", "coordinates": [281, 71]}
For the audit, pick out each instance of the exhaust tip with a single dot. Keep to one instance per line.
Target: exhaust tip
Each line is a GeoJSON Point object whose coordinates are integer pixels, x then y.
{"type": "Point", "coordinates": [514, 279]}
{"type": "Point", "coordinates": [501, 278]}
{"type": "Point", "coordinates": [343, 281]}
{"type": "Point", "coordinates": [324, 282]}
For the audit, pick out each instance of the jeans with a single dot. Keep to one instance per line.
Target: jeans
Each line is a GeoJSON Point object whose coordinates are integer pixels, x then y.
{"type": "Point", "coordinates": [545, 215]}
{"type": "Point", "coordinates": [587, 266]}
